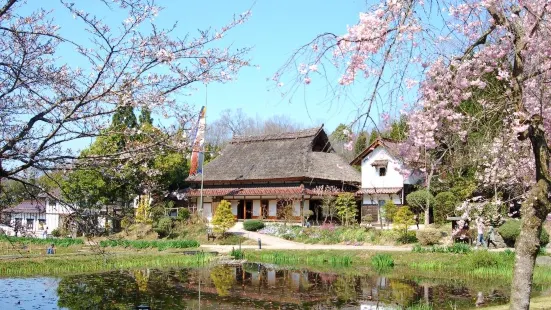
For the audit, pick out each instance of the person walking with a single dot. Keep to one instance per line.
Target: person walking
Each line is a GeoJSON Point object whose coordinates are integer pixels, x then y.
{"type": "Point", "coordinates": [416, 218]}
{"type": "Point", "coordinates": [45, 233]}
{"type": "Point", "coordinates": [491, 237]}
{"type": "Point", "coordinates": [480, 229]}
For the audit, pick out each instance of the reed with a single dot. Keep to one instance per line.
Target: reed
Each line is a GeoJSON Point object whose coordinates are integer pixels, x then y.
{"type": "Point", "coordinates": [94, 263]}
{"type": "Point", "coordinates": [161, 245]}
{"type": "Point", "coordinates": [382, 261]}
{"type": "Point", "coordinates": [286, 258]}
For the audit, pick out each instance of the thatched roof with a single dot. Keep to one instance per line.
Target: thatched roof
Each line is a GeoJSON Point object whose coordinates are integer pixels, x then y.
{"type": "Point", "coordinates": [300, 155]}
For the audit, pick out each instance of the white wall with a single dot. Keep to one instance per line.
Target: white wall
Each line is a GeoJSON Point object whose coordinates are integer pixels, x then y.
{"type": "Point", "coordinates": [256, 207]}
{"type": "Point", "coordinates": [234, 204]}
{"type": "Point", "coordinates": [296, 208]}
{"type": "Point", "coordinates": [370, 174]}
{"type": "Point", "coordinates": [272, 208]}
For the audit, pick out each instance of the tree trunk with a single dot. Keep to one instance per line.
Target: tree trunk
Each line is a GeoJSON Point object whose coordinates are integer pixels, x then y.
{"type": "Point", "coordinates": [534, 211]}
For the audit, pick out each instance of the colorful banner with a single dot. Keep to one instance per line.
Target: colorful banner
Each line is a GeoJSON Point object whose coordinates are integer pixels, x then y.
{"type": "Point", "coordinates": [198, 136]}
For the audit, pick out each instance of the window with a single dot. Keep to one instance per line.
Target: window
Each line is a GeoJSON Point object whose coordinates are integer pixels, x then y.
{"type": "Point", "coordinates": [18, 222]}
{"type": "Point", "coordinates": [30, 223]}
{"type": "Point", "coordinates": [382, 171]}
{"type": "Point", "coordinates": [41, 224]}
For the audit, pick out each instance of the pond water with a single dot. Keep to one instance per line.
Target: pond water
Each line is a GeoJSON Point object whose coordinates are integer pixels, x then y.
{"type": "Point", "coordinates": [249, 286]}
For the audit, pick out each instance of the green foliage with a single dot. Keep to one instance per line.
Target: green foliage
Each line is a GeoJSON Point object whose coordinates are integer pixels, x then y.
{"type": "Point", "coordinates": [382, 261]}
{"type": "Point", "coordinates": [59, 242]}
{"type": "Point", "coordinates": [419, 200]}
{"type": "Point", "coordinates": [163, 227]}
{"type": "Point", "coordinates": [389, 210]}
{"type": "Point", "coordinates": [463, 188]}
{"type": "Point", "coordinates": [428, 236]}
{"type": "Point", "coordinates": [403, 219]}
{"type": "Point", "coordinates": [124, 117]}
{"type": "Point", "coordinates": [361, 143]}
{"type": "Point", "coordinates": [143, 212]}
{"type": "Point", "coordinates": [183, 214]}
{"type": "Point", "coordinates": [373, 136]}
{"type": "Point", "coordinates": [456, 248]}
{"type": "Point", "coordinates": [161, 245]}
{"type": "Point", "coordinates": [237, 254]}
{"type": "Point", "coordinates": [56, 233]}
{"type": "Point", "coordinates": [339, 133]}
{"type": "Point", "coordinates": [398, 130]}
{"type": "Point", "coordinates": [510, 231]}
{"type": "Point", "coordinates": [253, 225]}
{"type": "Point", "coordinates": [345, 205]}
{"type": "Point", "coordinates": [223, 218]}
{"type": "Point", "coordinates": [145, 117]}
{"type": "Point", "coordinates": [444, 206]}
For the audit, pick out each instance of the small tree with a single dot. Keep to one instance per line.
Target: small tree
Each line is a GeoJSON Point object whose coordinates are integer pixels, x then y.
{"type": "Point", "coordinates": [345, 205]}
{"type": "Point", "coordinates": [223, 217]}
{"type": "Point", "coordinates": [421, 200]}
{"type": "Point", "coordinates": [389, 210]}
{"type": "Point", "coordinates": [403, 219]}
{"type": "Point", "coordinates": [361, 143]}
{"type": "Point", "coordinates": [444, 205]}
{"type": "Point", "coordinates": [285, 210]}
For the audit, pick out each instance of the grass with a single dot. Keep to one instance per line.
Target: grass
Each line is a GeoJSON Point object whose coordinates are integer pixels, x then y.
{"type": "Point", "coordinates": [456, 248]}
{"type": "Point", "coordinates": [145, 244]}
{"type": "Point", "coordinates": [61, 265]}
{"type": "Point", "coordinates": [23, 245]}
{"type": "Point", "coordinates": [382, 261]}
{"type": "Point", "coordinates": [295, 257]}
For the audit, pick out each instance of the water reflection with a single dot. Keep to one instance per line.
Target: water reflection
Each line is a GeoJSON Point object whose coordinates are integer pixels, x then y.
{"type": "Point", "coordinates": [256, 286]}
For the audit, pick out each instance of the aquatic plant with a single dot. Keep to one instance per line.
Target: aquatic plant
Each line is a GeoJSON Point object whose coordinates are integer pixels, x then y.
{"type": "Point", "coordinates": [237, 254]}
{"type": "Point", "coordinates": [92, 263]}
{"type": "Point", "coordinates": [382, 261]}
{"type": "Point", "coordinates": [59, 242]}
{"type": "Point", "coordinates": [145, 244]}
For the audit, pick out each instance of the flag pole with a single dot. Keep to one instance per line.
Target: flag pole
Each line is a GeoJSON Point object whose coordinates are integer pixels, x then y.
{"type": "Point", "coordinates": [203, 152]}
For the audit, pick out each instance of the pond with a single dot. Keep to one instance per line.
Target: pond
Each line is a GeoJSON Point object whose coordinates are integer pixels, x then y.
{"type": "Point", "coordinates": [248, 286]}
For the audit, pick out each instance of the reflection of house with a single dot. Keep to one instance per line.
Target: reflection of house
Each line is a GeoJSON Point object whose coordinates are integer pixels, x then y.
{"type": "Point", "coordinates": [262, 175]}
{"type": "Point", "coordinates": [383, 176]}
{"type": "Point", "coordinates": [33, 216]}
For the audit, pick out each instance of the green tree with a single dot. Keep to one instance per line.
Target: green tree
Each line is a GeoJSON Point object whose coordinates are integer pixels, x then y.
{"type": "Point", "coordinates": [398, 130]}
{"type": "Point", "coordinates": [389, 210]}
{"type": "Point", "coordinates": [444, 206]}
{"type": "Point", "coordinates": [403, 219]}
{"type": "Point", "coordinates": [345, 205]}
{"type": "Point", "coordinates": [420, 201]}
{"type": "Point", "coordinates": [373, 136]}
{"type": "Point", "coordinates": [124, 117]}
{"type": "Point", "coordinates": [223, 218]}
{"type": "Point", "coordinates": [361, 143]}
{"type": "Point", "coordinates": [145, 117]}
{"type": "Point", "coordinates": [340, 133]}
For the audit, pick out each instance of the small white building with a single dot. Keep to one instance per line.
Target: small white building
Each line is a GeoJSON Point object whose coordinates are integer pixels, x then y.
{"type": "Point", "coordinates": [382, 177]}
{"type": "Point", "coordinates": [33, 216]}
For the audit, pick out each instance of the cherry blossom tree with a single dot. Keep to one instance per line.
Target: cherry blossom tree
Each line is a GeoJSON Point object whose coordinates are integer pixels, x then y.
{"type": "Point", "coordinates": [60, 83]}
{"type": "Point", "coordinates": [434, 56]}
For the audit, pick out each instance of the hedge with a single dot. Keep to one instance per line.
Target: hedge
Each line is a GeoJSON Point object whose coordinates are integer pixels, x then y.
{"type": "Point", "coordinates": [253, 225]}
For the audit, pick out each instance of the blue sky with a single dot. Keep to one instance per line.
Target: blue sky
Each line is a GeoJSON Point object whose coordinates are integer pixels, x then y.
{"type": "Point", "coordinates": [275, 30]}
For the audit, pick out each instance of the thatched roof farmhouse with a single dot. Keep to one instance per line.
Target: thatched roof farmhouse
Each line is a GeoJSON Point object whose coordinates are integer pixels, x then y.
{"type": "Point", "coordinates": [256, 173]}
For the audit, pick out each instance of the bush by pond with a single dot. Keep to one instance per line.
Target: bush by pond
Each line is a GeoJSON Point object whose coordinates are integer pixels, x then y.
{"type": "Point", "coordinates": [510, 231]}
{"type": "Point", "coordinates": [59, 242]}
{"type": "Point", "coordinates": [253, 225]}
{"type": "Point", "coordinates": [429, 236]}
{"type": "Point", "coordinates": [145, 244]}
